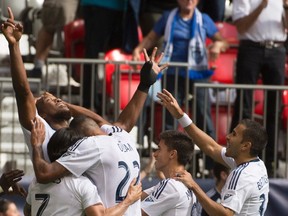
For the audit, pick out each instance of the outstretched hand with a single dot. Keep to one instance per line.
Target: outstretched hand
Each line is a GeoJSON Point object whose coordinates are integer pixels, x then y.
{"type": "Point", "coordinates": [167, 100]}
{"type": "Point", "coordinates": [11, 30]}
{"type": "Point", "coordinates": [10, 179]}
{"type": "Point", "coordinates": [150, 70]}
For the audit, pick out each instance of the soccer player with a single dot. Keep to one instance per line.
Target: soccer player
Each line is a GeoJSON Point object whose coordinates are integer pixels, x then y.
{"type": "Point", "coordinates": [71, 195]}
{"type": "Point", "coordinates": [109, 158]}
{"type": "Point", "coordinates": [170, 197]}
{"type": "Point", "coordinates": [246, 189]}
{"type": "Point", "coordinates": [53, 112]}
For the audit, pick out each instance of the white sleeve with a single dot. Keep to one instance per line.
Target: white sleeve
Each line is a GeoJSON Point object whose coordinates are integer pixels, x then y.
{"type": "Point", "coordinates": [164, 197]}
{"type": "Point", "coordinates": [81, 156]}
{"type": "Point", "coordinates": [240, 9]}
{"type": "Point", "coordinates": [88, 192]}
{"type": "Point", "coordinates": [228, 160]}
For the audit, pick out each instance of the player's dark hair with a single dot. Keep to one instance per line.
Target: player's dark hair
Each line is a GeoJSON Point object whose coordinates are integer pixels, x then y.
{"type": "Point", "coordinates": [256, 134]}
{"type": "Point", "coordinates": [60, 141]}
{"type": "Point", "coordinates": [179, 141]}
{"type": "Point", "coordinates": [218, 168]}
{"type": "Point", "coordinates": [4, 205]}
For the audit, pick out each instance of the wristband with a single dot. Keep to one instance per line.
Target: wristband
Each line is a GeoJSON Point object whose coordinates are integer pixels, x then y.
{"type": "Point", "coordinates": [185, 120]}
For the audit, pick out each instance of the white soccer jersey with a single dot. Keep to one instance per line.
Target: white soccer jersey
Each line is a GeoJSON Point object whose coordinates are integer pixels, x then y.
{"type": "Point", "coordinates": [246, 188]}
{"type": "Point", "coordinates": [65, 196]}
{"type": "Point", "coordinates": [111, 162]}
{"type": "Point", "coordinates": [48, 134]}
{"type": "Point", "coordinates": [168, 198]}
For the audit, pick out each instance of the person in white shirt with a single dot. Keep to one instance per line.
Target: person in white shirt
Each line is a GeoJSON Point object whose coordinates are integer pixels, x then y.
{"type": "Point", "coordinates": [71, 195]}
{"type": "Point", "coordinates": [247, 186]}
{"type": "Point", "coordinates": [170, 197]}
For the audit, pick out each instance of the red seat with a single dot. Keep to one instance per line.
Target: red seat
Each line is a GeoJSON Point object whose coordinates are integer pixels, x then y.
{"type": "Point", "coordinates": [129, 80]}
{"type": "Point", "coordinates": [224, 67]}
{"type": "Point", "coordinates": [74, 43]}
{"type": "Point", "coordinates": [74, 39]}
{"type": "Point", "coordinates": [285, 109]}
{"type": "Point", "coordinates": [229, 32]}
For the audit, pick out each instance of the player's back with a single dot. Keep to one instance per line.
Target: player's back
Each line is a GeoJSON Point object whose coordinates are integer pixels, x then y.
{"type": "Point", "coordinates": [120, 162]}
{"type": "Point", "coordinates": [110, 161]}
{"type": "Point", "coordinates": [66, 196]}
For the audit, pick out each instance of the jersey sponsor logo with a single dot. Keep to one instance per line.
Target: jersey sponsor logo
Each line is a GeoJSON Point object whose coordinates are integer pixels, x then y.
{"type": "Point", "coordinates": [149, 199]}
{"type": "Point", "coordinates": [235, 176]}
{"type": "Point", "coordinates": [227, 196]}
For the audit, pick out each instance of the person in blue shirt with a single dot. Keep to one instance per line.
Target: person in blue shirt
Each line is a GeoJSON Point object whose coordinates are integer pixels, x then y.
{"type": "Point", "coordinates": [185, 30]}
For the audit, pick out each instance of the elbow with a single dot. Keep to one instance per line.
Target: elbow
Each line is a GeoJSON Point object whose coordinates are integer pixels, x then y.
{"type": "Point", "coordinates": [42, 178]}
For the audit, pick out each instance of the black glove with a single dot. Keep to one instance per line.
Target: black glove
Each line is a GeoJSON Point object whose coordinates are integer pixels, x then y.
{"type": "Point", "coordinates": [147, 77]}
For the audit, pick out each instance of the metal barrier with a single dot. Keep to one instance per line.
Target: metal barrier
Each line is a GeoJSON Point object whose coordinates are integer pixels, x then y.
{"type": "Point", "coordinates": [117, 87]}
{"type": "Point", "coordinates": [13, 150]}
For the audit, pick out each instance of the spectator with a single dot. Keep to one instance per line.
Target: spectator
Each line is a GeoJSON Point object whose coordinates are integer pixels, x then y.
{"type": "Point", "coordinates": [8, 208]}
{"type": "Point", "coordinates": [54, 15]}
{"type": "Point", "coordinates": [261, 53]}
{"type": "Point", "coordinates": [170, 197]}
{"type": "Point", "coordinates": [220, 173]}
{"type": "Point", "coordinates": [11, 179]}
{"type": "Point", "coordinates": [108, 24]}
{"type": "Point", "coordinates": [247, 186]}
{"type": "Point", "coordinates": [182, 37]}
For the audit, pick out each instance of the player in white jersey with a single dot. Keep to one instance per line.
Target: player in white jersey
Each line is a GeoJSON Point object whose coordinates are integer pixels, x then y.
{"type": "Point", "coordinates": [246, 189]}
{"type": "Point", "coordinates": [170, 197]}
{"type": "Point", "coordinates": [54, 112]}
{"type": "Point", "coordinates": [70, 195]}
{"type": "Point", "coordinates": [110, 159]}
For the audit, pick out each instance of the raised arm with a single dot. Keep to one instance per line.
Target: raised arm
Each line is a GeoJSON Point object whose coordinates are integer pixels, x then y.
{"type": "Point", "coordinates": [24, 97]}
{"type": "Point", "coordinates": [78, 110]}
{"type": "Point", "coordinates": [200, 138]}
{"type": "Point", "coordinates": [148, 76]}
{"type": "Point", "coordinates": [44, 172]}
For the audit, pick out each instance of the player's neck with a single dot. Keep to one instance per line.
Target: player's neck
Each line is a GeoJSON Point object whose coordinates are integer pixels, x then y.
{"type": "Point", "coordinates": [171, 172]}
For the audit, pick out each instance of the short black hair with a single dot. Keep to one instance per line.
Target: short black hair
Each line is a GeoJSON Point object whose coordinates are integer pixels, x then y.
{"type": "Point", "coordinates": [83, 124]}
{"type": "Point", "coordinates": [218, 168]}
{"type": "Point", "coordinates": [179, 141]}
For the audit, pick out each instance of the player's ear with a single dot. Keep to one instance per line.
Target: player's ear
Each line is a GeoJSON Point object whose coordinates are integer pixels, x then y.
{"type": "Point", "coordinates": [173, 154]}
